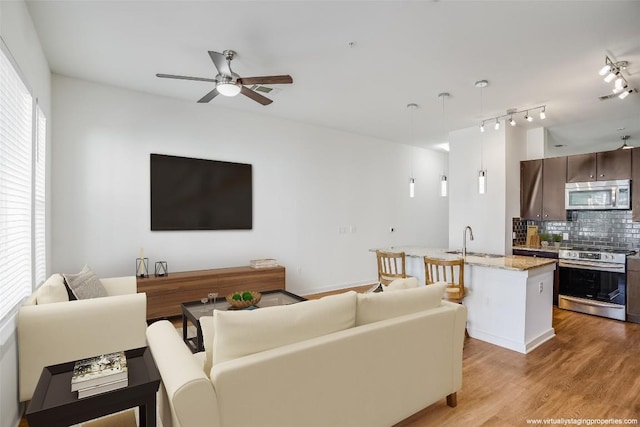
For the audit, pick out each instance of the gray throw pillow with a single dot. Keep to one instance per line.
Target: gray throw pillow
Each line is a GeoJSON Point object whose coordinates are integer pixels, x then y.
{"type": "Point", "coordinates": [85, 284]}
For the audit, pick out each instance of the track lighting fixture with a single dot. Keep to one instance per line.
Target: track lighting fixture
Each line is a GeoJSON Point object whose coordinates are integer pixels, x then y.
{"type": "Point", "coordinates": [613, 71]}
{"type": "Point", "coordinates": [513, 112]}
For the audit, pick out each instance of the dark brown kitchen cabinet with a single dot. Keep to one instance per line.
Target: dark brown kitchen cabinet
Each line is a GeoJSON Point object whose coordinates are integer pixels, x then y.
{"type": "Point", "coordinates": [603, 166]}
{"type": "Point", "coordinates": [531, 189]}
{"type": "Point", "coordinates": [554, 175]}
{"type": "Point", "coordinates": [633, 289]}
{"type": "Point", "coordinates": [542, 189]}
{"type": "Point", "coordinates": [635, 184]}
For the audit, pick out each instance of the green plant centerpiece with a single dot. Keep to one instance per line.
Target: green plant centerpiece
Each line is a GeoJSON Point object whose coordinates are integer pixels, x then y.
{"type": "Point", "coordinates": [557, 238]}
{"type": "Point", "coordinates": [544, 238]}
{"type": "Point", "coordinates": [243, 299]}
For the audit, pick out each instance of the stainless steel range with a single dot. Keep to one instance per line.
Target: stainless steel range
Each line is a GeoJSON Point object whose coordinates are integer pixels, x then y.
{"type": "Point", "coordinates": [593, 281]}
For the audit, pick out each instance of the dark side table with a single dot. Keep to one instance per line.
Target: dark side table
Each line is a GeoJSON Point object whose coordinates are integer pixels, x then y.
{"type": "Point", "coordinates": [54, 404]}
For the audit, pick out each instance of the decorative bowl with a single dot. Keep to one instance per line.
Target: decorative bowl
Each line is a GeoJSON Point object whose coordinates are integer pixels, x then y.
{"type": "Point", "coordinates": [243, 303]}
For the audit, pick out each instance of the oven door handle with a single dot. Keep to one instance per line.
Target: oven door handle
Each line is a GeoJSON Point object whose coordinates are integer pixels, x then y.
{"type": "Point", "coordinates": [602, 266]}
{"type": "Point", "coordinates": [593, 303]}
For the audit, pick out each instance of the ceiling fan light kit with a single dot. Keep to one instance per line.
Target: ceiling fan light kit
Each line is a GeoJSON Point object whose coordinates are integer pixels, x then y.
{"type": "Point", "coordinates": [228, 83]}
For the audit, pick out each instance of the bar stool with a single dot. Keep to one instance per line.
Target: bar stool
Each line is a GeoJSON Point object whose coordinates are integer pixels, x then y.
{"type": "Point", "coordinates": [391, 266]}
{"type": "Point", "coordinates": [450, 271]}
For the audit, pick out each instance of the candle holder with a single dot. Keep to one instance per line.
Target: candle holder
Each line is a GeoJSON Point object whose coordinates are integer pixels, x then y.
{"type": "Point", "coordinates": [161, 269]}
{"type": "Point", "coordinates": [142, 267]}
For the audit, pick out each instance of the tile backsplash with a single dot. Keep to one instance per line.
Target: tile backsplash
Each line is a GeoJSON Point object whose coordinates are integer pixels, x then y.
{"type": "Point", "coordinates": [604, 229]}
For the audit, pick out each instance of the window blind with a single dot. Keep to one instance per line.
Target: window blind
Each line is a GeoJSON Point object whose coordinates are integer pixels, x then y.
{"type": "Point", "coordinates": [16, 160]}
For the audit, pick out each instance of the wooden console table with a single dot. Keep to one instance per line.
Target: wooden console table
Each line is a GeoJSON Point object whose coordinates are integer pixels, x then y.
{"type": "Point", "coordinates": [165, 294]}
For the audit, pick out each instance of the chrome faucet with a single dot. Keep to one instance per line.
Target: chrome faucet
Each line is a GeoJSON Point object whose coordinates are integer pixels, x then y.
{"type": "Point", "coordinates": [464, 239]}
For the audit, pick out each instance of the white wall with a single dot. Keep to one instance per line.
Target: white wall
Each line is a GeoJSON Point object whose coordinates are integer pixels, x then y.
{"type": "Point", "coordinates": [485, 213]}
{"type": "Point", "coordinates": [18, 33]}
{"type": "Point", "coordinates": [308, 183]}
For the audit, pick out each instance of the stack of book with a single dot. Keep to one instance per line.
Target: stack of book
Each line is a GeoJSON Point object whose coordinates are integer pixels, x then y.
{"type": "Point", "coordinates": [100, 374]}
{"type": "Point", "coordinates": [263, 263]}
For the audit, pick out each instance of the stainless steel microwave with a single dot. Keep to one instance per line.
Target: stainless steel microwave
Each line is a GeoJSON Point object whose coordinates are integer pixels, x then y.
{"type": "Point", "coordinates": [598, 195]}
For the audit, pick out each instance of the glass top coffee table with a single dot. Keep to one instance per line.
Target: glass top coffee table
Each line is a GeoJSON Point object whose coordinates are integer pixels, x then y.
{"type": "Point", "coordinates": [193, 310]}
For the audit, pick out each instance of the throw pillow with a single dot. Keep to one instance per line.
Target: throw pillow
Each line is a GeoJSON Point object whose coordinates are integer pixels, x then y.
{"type": "Point", "coordinates": [243, 332]}
{"type": "Point", "coordinates": [206, 324]}
{"type": "Point", "coordinates": [85, 284]}
{"type": "Point", "coordinates": [400, 284]}
{"type": "Point", "coordinates": [375, 307]}
{"type": "Point", "coordinates": [52, 290]}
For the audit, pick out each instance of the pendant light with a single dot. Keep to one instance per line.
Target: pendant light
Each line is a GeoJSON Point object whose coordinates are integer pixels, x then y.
{"type": "Point", "coordinates": [443, 178]}
{"type": "Point", "coordinates": [412, 181]}
{"type": "Point", "coordinates": [482, 173]}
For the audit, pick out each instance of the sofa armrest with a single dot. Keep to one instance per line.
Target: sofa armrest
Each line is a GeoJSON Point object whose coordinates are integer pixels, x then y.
{"type": "Point", "coordinates": [54, 333]}
{"type": "Point", "coordinates": [188, 397]}
{"type": "Point", "coordinates": [120, 285]}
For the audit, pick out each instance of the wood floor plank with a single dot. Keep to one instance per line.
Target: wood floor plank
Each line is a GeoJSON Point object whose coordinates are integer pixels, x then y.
{"type": "Point", "coordinates": [591, 369]}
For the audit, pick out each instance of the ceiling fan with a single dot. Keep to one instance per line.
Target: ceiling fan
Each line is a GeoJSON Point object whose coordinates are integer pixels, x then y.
{"type": "Point", "coordinates": [229, 83]}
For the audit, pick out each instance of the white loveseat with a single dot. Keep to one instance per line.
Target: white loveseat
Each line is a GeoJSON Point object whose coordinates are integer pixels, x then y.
{"type": "Point", "coordinates": [52, 329]}
{"type": "Point", "coordinates": [390, 355]}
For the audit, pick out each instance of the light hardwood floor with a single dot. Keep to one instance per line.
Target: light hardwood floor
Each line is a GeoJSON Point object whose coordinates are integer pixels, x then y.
{"type": "Point", "coordinates": [591, 369]}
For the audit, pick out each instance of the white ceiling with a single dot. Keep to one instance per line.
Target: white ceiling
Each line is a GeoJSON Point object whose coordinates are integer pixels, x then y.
{"type": "Point", "coordinates": [531, 52]}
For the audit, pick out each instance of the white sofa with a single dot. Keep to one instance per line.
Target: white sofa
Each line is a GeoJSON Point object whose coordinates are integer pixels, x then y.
{"type": "Point", "coordinates": [51, 332]}
{"type": "Point", "coordinates": [391, 355]}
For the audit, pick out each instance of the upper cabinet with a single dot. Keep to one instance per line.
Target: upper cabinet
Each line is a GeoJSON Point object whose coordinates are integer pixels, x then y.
{"type": "Point", "coordinates": [531, 189]}
{"type": "Point", "coordinates": [603, 166]}
{"type": "Point", "coordinates": [542, 189]}
{"type": "Point", "coordinates": [554, 175]}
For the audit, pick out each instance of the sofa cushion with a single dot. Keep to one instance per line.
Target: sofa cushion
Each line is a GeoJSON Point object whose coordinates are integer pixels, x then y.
{"type": "Point", "coordinates": [243, 332]}
{"type": "Point", "coordinates": [206, 324]}
{"type": "Point", "coordinates": [85, 284]}
{"type": "Point", "coordinates": [52, 290]}
{"type": "Point", "coordinates": [374, 307]}
{"type": "Point", "coordinates": [400, 284]}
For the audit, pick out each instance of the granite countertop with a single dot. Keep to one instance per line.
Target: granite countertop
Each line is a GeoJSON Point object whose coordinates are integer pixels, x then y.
{"type": "Point", "coordinates": [509, 262]}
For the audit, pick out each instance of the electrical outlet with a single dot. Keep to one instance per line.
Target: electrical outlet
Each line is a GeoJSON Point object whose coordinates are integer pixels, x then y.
{"type": "Point", "coordinates": [565, 236]}
{"type": "Point", "coordinates": [540, 287]}
{"type": "Point", "coordinates": [392, 229]}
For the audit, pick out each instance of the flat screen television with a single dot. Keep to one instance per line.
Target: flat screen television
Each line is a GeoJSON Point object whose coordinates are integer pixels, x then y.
{"type": "Point", "coordinates": [198, 194]}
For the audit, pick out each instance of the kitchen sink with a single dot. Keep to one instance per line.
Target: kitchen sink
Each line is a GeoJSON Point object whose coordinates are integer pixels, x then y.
{"type": "Point", "coordinates": [478, 254]}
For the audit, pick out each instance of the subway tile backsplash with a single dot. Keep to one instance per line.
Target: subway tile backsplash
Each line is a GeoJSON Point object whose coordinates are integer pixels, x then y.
{"type": "Point", "coordinates": [604, 229]}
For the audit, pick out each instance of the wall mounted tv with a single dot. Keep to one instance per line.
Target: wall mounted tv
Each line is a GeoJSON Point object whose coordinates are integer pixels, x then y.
{"type": "Point", "coordinates": [198, 194]}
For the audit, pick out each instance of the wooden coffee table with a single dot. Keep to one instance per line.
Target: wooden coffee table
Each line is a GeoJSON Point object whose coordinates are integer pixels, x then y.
{"type": "Point", "coordinates": [54, 404]}
{"type": "Point", "coordinates": [192, 311]}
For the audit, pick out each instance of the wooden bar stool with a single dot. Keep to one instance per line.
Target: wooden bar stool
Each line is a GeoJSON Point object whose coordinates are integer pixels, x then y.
{"type": "Point", "coordinates": [450, 271]}
{"type": "Point", "coordinates": [391, 266]}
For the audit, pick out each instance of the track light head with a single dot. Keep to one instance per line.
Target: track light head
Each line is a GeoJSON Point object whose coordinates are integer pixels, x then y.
{"type": "Point", "coordinates": [625, 93]}
{"type": "Point", "coordinates": [604, 70]}
{"type": "Point", "coordinates": [497, 125]}
{"type": "Point", "coordinates": [543, 115]}
{"type": "Point", "coordinates": [512, 122]}
{"type": "Point", "coordinates": [612, 75]}
{"type": "Point", "coordinates": [482, 127]}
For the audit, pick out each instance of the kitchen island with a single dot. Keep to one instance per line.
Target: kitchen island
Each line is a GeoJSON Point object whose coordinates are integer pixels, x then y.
{"type": "Point", "coordinates": [509, 298]}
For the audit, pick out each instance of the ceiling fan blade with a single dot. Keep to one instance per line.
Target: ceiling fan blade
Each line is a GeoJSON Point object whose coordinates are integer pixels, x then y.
{"type": "Point", "coordinates": [255, 96]}
{"type": "Point", "coordinates": [220, 61]}
{"type": "Point", "coordinates": [208, 97]}
{"type": "Point", "coordinates": [199, 79]}
{"type": "Point", "coordinates": [284, 79]}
